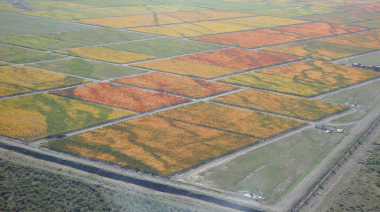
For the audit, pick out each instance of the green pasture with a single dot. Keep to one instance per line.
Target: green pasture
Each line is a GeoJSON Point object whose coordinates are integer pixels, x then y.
{"type": "Point", "coordinates": [270, 170]}
{"type": "Point", "coordinates": [297, 11]}
{"type": "Point", "coordinates": [38, 27]}
{"type": "Point", "coordinates": [367, 60]}
{"type": "Point", "coordinates": [368, 24]}
{"type": "Point", "coordinates": [71, 39]}
{"type": "Point", "coordinates": [7, 17]}
{"type": "Point", "coordinates": [164, 47]}
{"type": "Point", "coordinates": [363, 96]}
{"type": "Point", "coordinates": [14, 54]}
{"type": "Point", "coordinates": [86, 68]}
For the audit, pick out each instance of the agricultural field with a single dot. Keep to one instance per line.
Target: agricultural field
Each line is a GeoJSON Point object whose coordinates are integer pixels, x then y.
{"type": "Point", "coordinates": [297, 11]}
{"type": "Point", "coordinates": [164, 47]}
{"type": "Point", "coordinates": [121, 96]}
{"type": "Point", "coordinates": [368, 24]}
{"type": "Point", "coordinates": [70, 14]}
{"type": "Point", "coordinates": [170, 83]}
{"type": "Point", "coordinates": [241, 59]}
{"type": "Point", "coordinates": [105, 54]}
{"type": "Point", "coordinates": [232, 119]}
{"type": "Point", "coordinates": [281, 104]}
{"type": "Point", "coordinates": [71, 39]}
{"type": "Point", "coordinates": [8, 89]}
{"type": "Point", "coordinates": [279, 84]}
{"type": "Point", "coordinates": [187, 68]}
{"type": "Point", "coordinates": [369, 39]}
{"type": "Point", "coordinates": [161, 19]}
{"type": "Point", "coordinates": [36, 116]}
{"type": "Point", "coordinates": [267, 170]}
{"type": "Point", "coordinates": [342, 18]}
{"type": "Point", "coordinates": [277, 35]}
{"type": "Point", "coordinates": [364, 8]}
{"type": "Point", "coordinates": [38, 27]}
{"type": "Point", "coordinates": [322, 72]}
{"type": "Point", "coordinates": [192, 29]}
{"type": "Point", "coordinates": [367, 60]}
{"type": "Point", "coordinates": [215, 97]}
{"type": "Point", "coordinates": [87, 68]}
{"type": "Point", "coordinates": [152, 144]}
{"type": "Point", "coordinates": [15, 54]}
{"type": "Point", "coordinates": [320, 50]}
{"type": "Point", "coordinates": [35, 79]}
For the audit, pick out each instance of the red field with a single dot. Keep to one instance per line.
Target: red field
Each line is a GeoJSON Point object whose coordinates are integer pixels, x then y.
{"type": "Point", "coordinates": [177, 84]}
{"type": "Point", "coordinates": [243, 59]}
{"type": "Point", "coordinates": [265, 37]}
{"type": "Point", "coordinates": [121, 96]}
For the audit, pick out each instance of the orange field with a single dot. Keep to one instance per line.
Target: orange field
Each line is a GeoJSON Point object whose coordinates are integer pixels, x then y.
{"type": "Point", "coordinates": [121, 96]}
{"type": "Point", "coordinates": [265, 37]}
{"type": "Point", "coordinates": [243, 59]}
{"type": "Point", "coordinates": [177, 84]}
{"type": "Point", "coordinates": [186, 68]}
{"type": "Point", "coordinates": [232, 119]}
{"type": "Point", "coordinates": [323, 72]}
{"type": "Point", "coordinates": [104, 54]}
{"type": "Point", "coordinates": [153, 144]}
{"type": "Point", "coordinates": [282, 104]}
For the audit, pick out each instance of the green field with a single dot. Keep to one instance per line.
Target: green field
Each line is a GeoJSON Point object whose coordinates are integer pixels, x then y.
{"type": "Point", "coordinates": [73, 38]}
{"type": "Point", "coordinates": [86, 68]}
{"type": "Point", "coordinates": [296, 11]}
{"type": "Point", "coordinates": [270, 170]}
{"type": "Point", "coordinates": [36, 116]}
{"type": "Point", "coordinates": [38, 27]}
{"type": "Point", "coordinates": [368, 24]}
{"type": "Point", "coordinates": [14, 54]}
{"type": "Point", "coordinates": [363, 96]}
{"type": "Point", "coordinates": [367, 60]}
{"type": "Point", "coordinates": [164, 47]}
{"type": "Point", "coordinates": [6, 17]}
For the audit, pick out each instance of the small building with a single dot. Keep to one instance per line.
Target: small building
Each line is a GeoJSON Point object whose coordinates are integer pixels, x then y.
{"type": "Point", "coordinates": [339, 130]}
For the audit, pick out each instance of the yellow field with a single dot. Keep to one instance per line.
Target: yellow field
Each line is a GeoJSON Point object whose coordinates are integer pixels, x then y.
{"type": "Point", "coordinates": [35, 79]}
{"type": "Point", "coordinates": [204, 15]}
{"type": "Point", "coordinates": [369, 39]}
{"type": "Point", "coordinates": [7, 89]}
{"type": "Point", "coordinates": [194, 29]}
{"type": "Point", "coordinates": [324, 72]}
{"type": "Point", "coordinates": [186, 68]}
{"type": "Point", "coordinates": [319, 50]}
{"type": "Point", "coordinates": [282, 104]}
{"type": "Point", "coordinates": [232, 119]}
{"type": "Point", "coordinates": [263, 21]}
{"type": "Point", "coordinates": [104, 54]}
{"type": "Point", "coordinates": [3, 63]}
{"type": "Point", "coordinates": [278, 83]}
